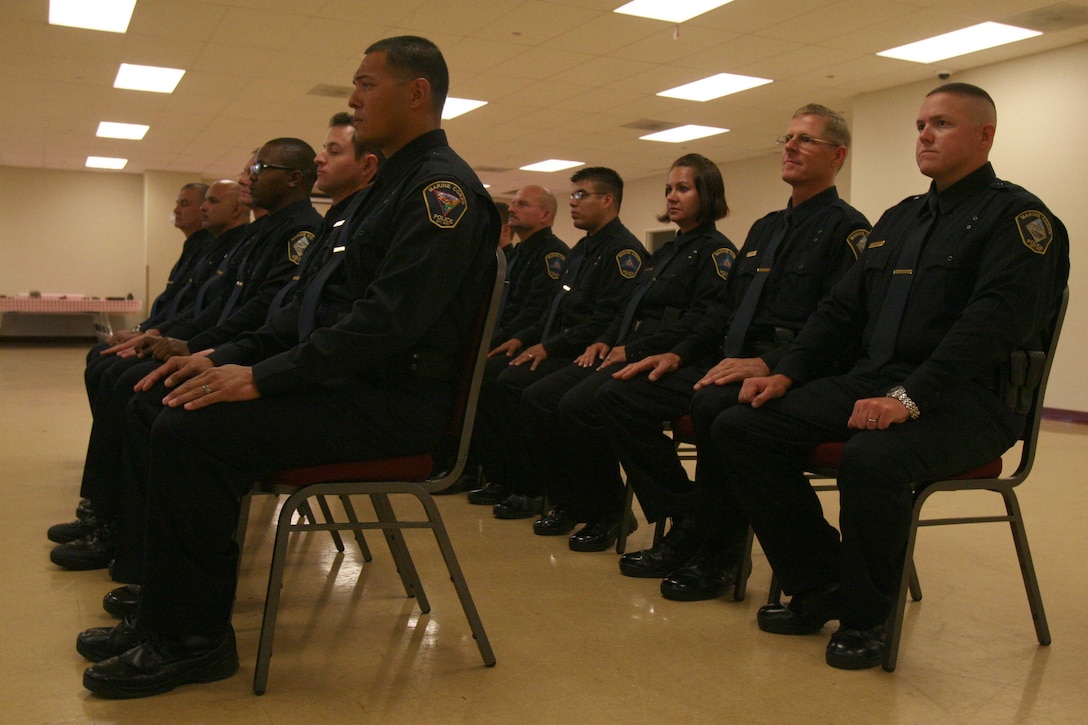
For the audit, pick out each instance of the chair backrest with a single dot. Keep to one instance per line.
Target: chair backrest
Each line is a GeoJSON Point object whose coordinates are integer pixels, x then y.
{"type": "Point", "coordinates": [459, 430]}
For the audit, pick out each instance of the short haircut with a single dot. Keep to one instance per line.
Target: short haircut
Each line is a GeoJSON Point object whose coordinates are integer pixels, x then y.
{"type": "Point", "coordinates": [835, 126]}
{"type": "Point", "coordinates": [410, 57]}
{"type": "Point", "coordinates": [297, 154]}
{"type": "Point", "coordinates": [708, 184]}
{"type": "Point", "coordinates": [604, 178]}
{"type": "Point", "coordinates": [504, 211]}
{"type": "Point", "coordinates": [199, 186]}
{"type": "Point", "coordinates": [966, 90]}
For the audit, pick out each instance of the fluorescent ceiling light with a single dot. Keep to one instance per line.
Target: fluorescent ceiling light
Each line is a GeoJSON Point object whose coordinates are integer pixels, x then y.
{"type": "Point", "coordinates": [959, 42]}
{"type": "Point", "coordinates": [105, 162]}
{"type": "Point", "coordinates": [713, 87]}
{"type": "Point", "coordinates": [109, 15]}
{"type": "Point", "coordinates": [680, 134]}
{"type": "Point", "coordinates": [552, 165]}
{"type": "Point", "coordinates": [134, 131]}
{"type": "Point", "coordinates": [459, 106]}
{"type": "Point", "coordinates": [673, 11]}
{"type": "Point", "coordinates": [148, 78]}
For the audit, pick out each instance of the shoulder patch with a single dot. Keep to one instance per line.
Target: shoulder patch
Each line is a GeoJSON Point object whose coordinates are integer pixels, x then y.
{"type": "Point", "coordinates": [446, 204]}
{"type": "Point", "coordinates": [857, 240]}
{"type": "Point", "coordinates": [629, 263]}
{"type": "Point", "coordinates": [297, 245]}
{"type": "Point", "coordinates": [723, 261]}
{"type": "Point", "coordinates": [554, 262]}
{"type": "Point", "coordinates": [1035, 230]}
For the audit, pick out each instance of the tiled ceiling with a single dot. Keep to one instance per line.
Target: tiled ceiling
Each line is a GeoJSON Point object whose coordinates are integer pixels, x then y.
{"type": "Point", "coordinates": [568, 80]}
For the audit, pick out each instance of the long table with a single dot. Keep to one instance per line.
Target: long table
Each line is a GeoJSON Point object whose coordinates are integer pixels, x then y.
{"type": "Point", "coordinates": [98, 309]}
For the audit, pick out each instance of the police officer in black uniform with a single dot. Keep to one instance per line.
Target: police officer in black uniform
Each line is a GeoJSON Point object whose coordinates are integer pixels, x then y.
{"type": "Point", "coordinates": [362, 364]}
{"type": "Point", "coordinates": [674, 289]}
{"type": "Point", "coordinates": [597, 279]}
{"type": "Point", "coordinates": [950, 284]}
{"type": "Point", "coordinates": [768, 297]}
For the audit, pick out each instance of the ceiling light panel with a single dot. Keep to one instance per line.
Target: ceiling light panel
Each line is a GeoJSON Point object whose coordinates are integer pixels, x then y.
{"type": "Point", "coordinates": [690, 132]}
{"type": "Point", "coordinates": [716, 86]}
{"type": "Point", "coordinates": [148, 78]}
{"type": "Point", "coordinates": [552, 165]}
{"type": "Point", "coordinates": [109, 15]}
{"type": "Point", "coordinates": [959, 42]}
{"type": "Point", "coordinates": [672, 11]}
{"type": "Point", "coordinates": [105, 162]}
{"type": "Point", "coordinates": [133, 131]}
{"type": "Point", "coordinates": [455, 107]}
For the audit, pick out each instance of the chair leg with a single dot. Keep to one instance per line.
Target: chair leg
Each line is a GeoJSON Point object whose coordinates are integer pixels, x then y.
{"type": "Point", "coordinates": [409, 577]}
{"type": "Point", "coordinates": [339, 542]}
{"type": "Point", "coordinates": [894, 627]}
{"type": "Point", "coordinates": [456, 575]}
{"type": "Point", "coordinates": [740, 587]}
{"type": "Point", "coordinates": [349, 510]}
{"type": "Point", "coordinates": [628, 516]}
{"type": "Point", "coordinates": [1027, 567]}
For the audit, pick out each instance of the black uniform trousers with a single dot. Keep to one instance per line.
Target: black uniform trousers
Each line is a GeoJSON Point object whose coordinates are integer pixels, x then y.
{"type": "Point", "coordinates": [762, 452]}
{"type": "Point", "coordinates": [201, 463]}
{"type": "Point", "coordinates": [566, 435]}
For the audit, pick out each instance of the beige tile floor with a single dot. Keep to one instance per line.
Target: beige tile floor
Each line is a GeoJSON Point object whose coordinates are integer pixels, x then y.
{"type": "Point", "coordinates": [575, 641]}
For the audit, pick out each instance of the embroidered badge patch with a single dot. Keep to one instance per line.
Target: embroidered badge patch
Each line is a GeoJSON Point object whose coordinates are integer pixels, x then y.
{"type": "Point", "coordinates": [554, 262]}
{"type": "Point", "coordinates": [297, 245]}
{"type": "Point", "coordinates": [857, 240]}
{"type": "Point", "coordinates": [1035, 230]}
{"type": "Point", "coordinates": [723, 261]}
{"type": "Point", "coordinates": [446, 204]}
{"type": "Point", "coordinates": [629, 263]}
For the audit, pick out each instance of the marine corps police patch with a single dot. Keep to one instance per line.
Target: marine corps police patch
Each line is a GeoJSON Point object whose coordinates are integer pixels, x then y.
{"type": "Point", "coordinates": [723, 261]}
{"type": "Point", "coordinates": [629, 263]}
{"type": "Point", "coordinates": [446, 204]}
{"type": "Point", "coordinates": [857, 241]}
{"type": "Point", "coordinates": [554, 262]}
{"type": "Point", "coordinates": [1035, 230]}
{"type": "Point", "coordinates": [297, 245]}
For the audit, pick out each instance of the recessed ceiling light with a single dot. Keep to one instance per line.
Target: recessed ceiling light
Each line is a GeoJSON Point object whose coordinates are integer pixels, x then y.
{"type": "Point", "coordinates": [105, 162]}
{"type": "Point", "coordinates": [148, 78]}
{"type": "Point", "coordinates": [134, 131]}
{"type": "Point", "coordinates": [680, 134]}
{"type": "Point", "coordinates": [722, 84]}
{"type": "Point", "coordinates": [673, 11]}
{"type": "Point", "coordinates": [459, 106]}
{"type": "Point", "coordinates": [109, 15]}
{"type": "Point", "coordinates": [959, 42]}
{"type": "Point", "coordinates": [552, 165]}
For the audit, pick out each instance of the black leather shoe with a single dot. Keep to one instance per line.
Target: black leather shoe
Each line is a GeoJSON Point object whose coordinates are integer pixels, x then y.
{"type": "Point", "coordinates": [470, 480]}
{"type": "Point", "coordinates": [856, 649]}
{"type": "Point", "coordinates": [707, 575]}
{"type": "Point", "coordinates": [807, 612]}
{"type": "Point", "coordinates": [673, 551]}
{"type": "Point", "coordinates": [560, 520]}
{"type": "Point", "coordinates": [160, 664]}
{"type": "Point", "coordinates": [122, 601]}
{"type": "Point", "coordinates": [101, 643]}
{"type": "Point", "coordinates": [93, 551]}
{"type": "Point", "coordinates": [85, 523]}
{"type": "Point", "coordinates": [489, 494]}
{"type": "Point", "coordinates": [598, 535]}
{"type": "Point", "coordinates": [517, 506]}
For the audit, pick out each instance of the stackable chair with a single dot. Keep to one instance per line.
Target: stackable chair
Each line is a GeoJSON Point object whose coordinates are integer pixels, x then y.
{"type": "Point", "coordinates": [1032, 372]}
{"type": "Point", "coordinates": [418, 476]}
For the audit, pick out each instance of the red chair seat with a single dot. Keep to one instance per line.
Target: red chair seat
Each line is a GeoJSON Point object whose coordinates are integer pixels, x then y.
{"type": "Point", "coordinates": [415, 469]}
{"type": "Point", "coordinates": [829, 455]}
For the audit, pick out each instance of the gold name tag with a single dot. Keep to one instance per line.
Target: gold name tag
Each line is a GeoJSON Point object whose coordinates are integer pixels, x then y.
{"type": "Point", "coordinates": [874, 245]}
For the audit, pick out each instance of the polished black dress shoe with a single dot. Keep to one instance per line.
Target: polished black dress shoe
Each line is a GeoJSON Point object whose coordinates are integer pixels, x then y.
{"type": "Point", "coordinates": [489, 494]}
{"type": "Point", "coordinates": [856, 649]}
{"type": "Point", "coordinates": [101, 643]}
{"type": "Point", "coordinates": [560, 520]}
{"type": "Point", "coordinates": [807, 612]}
{"type": "Point", "coordinates": [160, 664]}
{"type": "Point", "coordinates": [122, 601]}
{"type": "Point", "coordinates": [598, 535]}
{"type": "Point", "coordinates": [470, 480]}
{"type": "Point", "coordinates": [518, 506]}
{"type": "Point", "coordinates": [84, 524]}
{"type": "Point", "coordinates": [673, 551]}
{"type": "Point", "coordinates": [93, 551]}
{"type": "Point", "coordinates": [709, 574]}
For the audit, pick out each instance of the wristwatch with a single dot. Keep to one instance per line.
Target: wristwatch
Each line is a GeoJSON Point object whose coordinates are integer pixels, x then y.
{"type": "Point", "coordinates": [900, 394]}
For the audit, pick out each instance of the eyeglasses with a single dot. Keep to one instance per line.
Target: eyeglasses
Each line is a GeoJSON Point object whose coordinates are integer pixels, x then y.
{"type": "Point", "coordinates": [582, 194]}
{"type": "Point", "coordinates": [260, 166]}
{"type": "Point", "coordinates": [803, 139]}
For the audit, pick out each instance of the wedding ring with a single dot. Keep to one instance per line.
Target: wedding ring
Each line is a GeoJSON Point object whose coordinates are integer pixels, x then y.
{"type": "Point", "coordinates": [206, 389]}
